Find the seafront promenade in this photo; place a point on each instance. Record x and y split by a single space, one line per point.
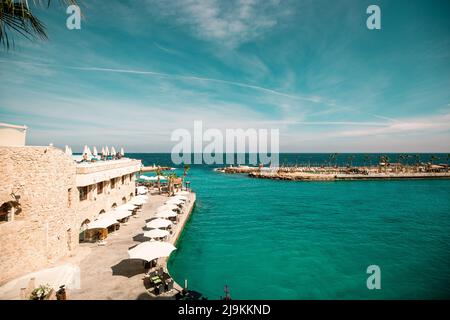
106 271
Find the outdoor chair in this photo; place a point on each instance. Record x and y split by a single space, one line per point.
160 289
169 285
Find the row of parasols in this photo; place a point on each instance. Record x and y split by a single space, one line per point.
119 213
151 250
105 151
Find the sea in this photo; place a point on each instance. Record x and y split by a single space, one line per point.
267 239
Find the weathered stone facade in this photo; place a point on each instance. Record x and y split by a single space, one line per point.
41 184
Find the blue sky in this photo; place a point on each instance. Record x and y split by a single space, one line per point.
137 70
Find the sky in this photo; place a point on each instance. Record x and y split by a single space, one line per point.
138 70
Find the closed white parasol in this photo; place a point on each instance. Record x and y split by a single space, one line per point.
87 151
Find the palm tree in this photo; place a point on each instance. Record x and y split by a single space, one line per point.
385 160
331 158
367 160
186 169
417 156
16 16
350 160
433 158
158 172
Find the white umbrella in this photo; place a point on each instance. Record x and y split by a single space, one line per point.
151 250
174 201
141 190
182 193
102 223
156 233
116 214
103 151
166 214
167 207
158 223
106 151
94 152
137 201
180 197
113 151
120 214
127 206
122 152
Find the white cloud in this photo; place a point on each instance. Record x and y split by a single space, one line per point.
230 23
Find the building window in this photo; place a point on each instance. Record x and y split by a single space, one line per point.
5 212
123 179
69 198
8 210
131 177
83 191
100 188
113 183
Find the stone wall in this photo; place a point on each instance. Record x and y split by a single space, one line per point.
46 228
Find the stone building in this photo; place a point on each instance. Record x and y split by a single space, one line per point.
47 199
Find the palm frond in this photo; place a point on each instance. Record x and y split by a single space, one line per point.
16 16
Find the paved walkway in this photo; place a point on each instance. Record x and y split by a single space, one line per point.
106 272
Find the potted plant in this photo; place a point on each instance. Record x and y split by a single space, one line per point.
42 292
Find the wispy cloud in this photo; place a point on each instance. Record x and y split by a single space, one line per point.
314 99
405 126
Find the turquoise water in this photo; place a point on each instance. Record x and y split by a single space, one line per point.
314 240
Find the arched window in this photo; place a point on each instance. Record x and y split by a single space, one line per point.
83 229
114 206
124 200
131 195
9 210
101 212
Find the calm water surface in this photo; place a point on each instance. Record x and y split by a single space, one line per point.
313 240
